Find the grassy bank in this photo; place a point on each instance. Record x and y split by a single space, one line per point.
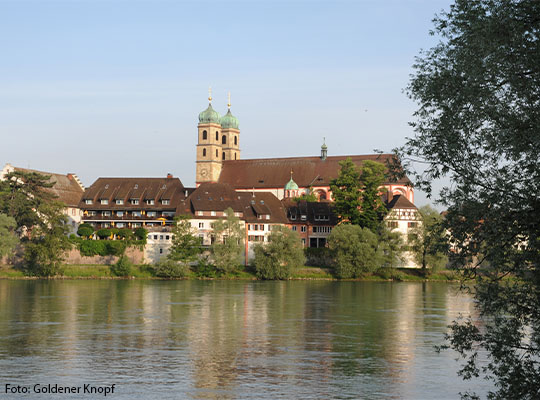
306 273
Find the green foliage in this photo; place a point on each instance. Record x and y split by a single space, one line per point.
93 248
228 247
392 246
205 269
125 234
318 256
185 246
355 250
24 197
8 237
280 256
428 241
392 274
114 231
141 234
115 247
357 194
477 126
85 230
122 267
310 197
166 268
103 233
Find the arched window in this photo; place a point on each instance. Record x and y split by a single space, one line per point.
224 139
235 156
236 140
217 135
204 152
216 152
204 135
223 156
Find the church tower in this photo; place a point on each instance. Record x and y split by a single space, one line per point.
230 135
209 148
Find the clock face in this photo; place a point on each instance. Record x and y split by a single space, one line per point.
204 172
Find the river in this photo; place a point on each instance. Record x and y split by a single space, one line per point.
230 339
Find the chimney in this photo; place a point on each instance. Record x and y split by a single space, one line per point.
169 176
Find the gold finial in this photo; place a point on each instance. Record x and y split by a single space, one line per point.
210 94
229 100
291 173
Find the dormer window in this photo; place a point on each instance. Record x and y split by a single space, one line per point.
165 202
149 202
88 201
104 201
134 201
136 186
119 201
303 217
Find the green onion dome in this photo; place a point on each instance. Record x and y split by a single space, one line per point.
229 121
209 116
291 185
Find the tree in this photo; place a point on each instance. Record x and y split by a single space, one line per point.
391 245
8 237
228 246
277 258
428 241
85 230
357 194
355 251
185 246
477 124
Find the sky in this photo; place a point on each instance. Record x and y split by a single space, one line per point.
114 87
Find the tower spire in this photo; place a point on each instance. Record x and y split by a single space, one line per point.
210 94
229 100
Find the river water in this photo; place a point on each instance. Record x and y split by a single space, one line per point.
230 339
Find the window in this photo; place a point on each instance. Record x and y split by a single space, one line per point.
134 201
322 229
119 201
165 202
155 237
92 213
136 186
217 154
120 225
160 237
137 214
293 217
201 224
224 139
217 135
204 136
120 213
294 228
392 224
303 241
88 201
204 152
236 141
303 228
255 227
149 201
199 213
213 213
322 218
106 213
136 225
151 213
235 156
303 217
168 213
105 225
104 201
261 227
160 251
223 156
167 237
73 211
412 224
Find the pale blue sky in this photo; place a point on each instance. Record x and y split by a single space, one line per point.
114 88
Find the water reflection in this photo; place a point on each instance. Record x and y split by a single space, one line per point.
229 340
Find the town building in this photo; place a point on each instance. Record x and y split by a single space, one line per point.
67 189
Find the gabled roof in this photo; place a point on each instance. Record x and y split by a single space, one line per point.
141 189
316 213
213 197
263 203
399 202
67 188
276 172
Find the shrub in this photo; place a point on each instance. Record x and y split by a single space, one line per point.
115 247
125 233
141 234
85 230
205 269
170 269
122 267
103 233
114 231
390 274
277 258
318 257
92 248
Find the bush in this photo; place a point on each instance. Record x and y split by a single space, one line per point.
93 248
318 257
103 233
85 230
390 274
122 267
125 233
205 269
170 269
115 247
280 256
114 231
141 234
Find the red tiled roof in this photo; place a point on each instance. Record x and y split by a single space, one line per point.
399 201
276 172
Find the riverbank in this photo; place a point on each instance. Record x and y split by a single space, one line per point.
306 273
